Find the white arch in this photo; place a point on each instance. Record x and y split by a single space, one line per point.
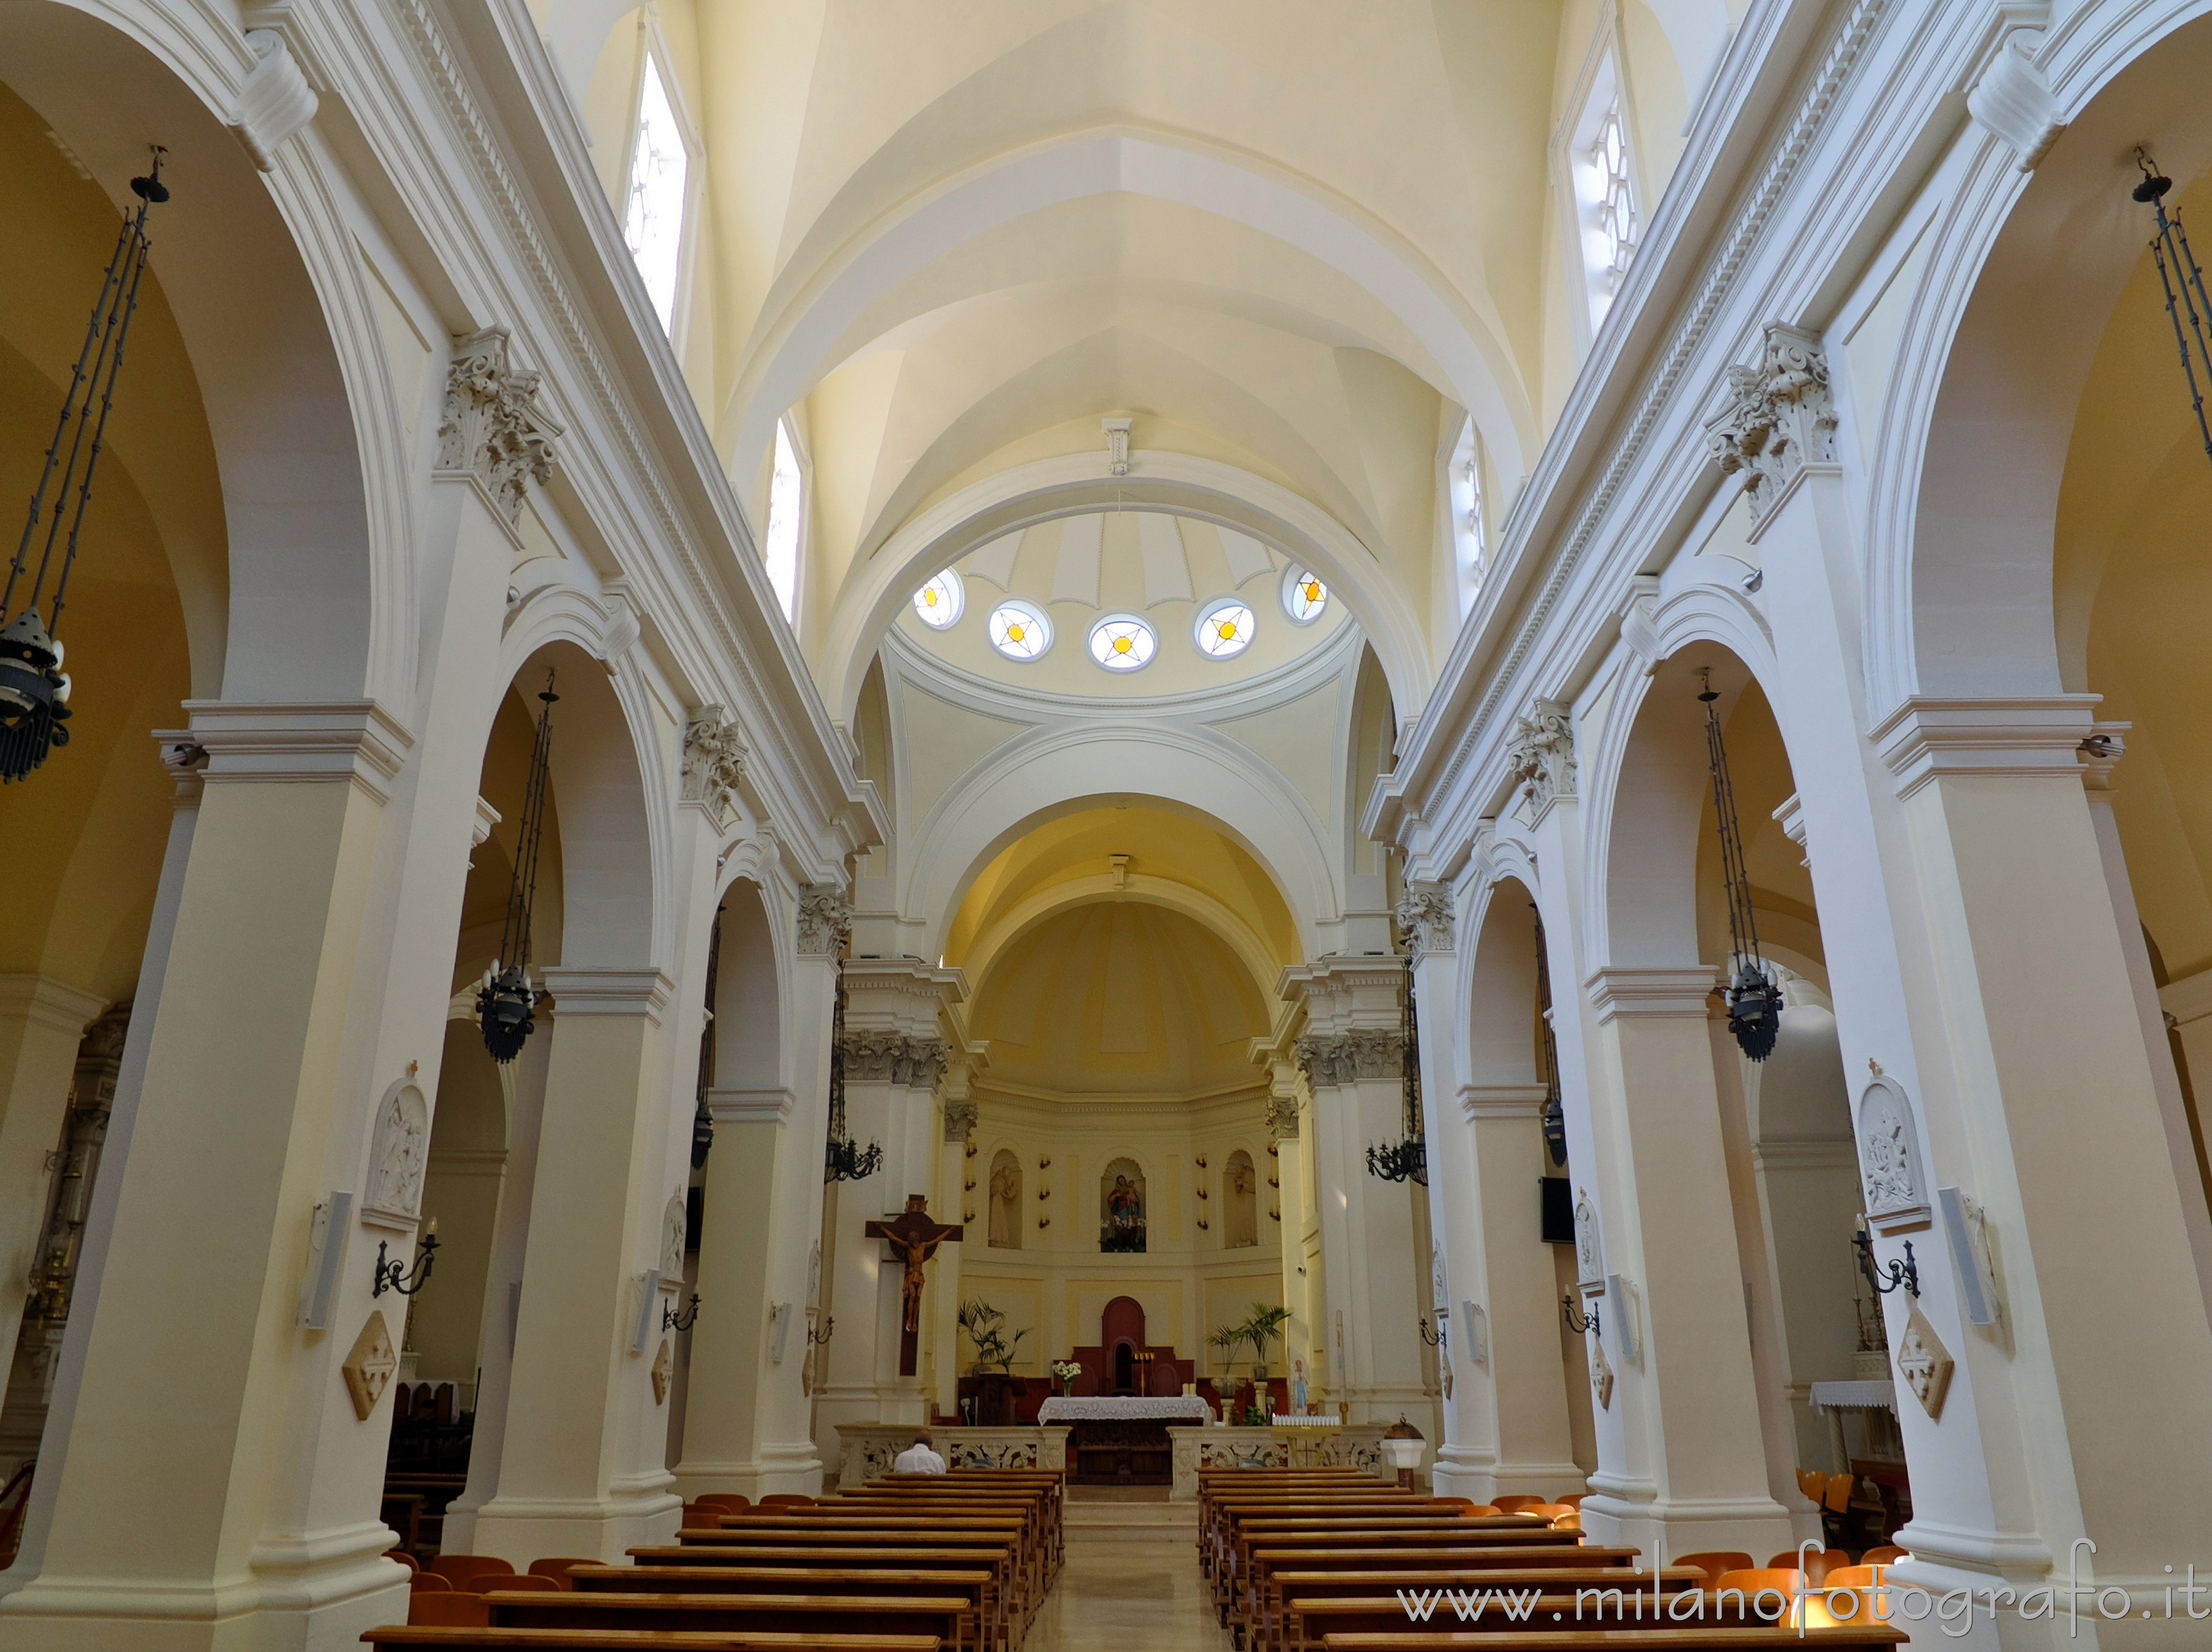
1193 903
1053 770
805 324
1205 489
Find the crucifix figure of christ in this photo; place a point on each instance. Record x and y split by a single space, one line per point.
914 1239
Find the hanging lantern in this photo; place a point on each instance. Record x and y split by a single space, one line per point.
2184 286
843 1158
1754 999
505 1000
1407 1160
34 690
702 1120
1555 1110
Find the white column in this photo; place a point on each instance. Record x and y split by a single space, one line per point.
1352 1053
941 1348
41 1021
1286 1203
894 1055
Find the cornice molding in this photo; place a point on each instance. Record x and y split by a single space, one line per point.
2037 737
1678 994
265 741
590 991
1478 1102
771 1105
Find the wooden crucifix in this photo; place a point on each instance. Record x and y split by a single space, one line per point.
914 1239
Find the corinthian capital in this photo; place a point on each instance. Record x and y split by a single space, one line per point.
1542 754
491 424
714 760
1345 1058
1427 915
1781 414
825 918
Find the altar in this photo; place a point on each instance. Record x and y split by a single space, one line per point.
1122 1439
869 1449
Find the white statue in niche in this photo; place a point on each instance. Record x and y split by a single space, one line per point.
1589 1261
674 1223
1006 1201
1888 1157
399 1155
1241 1201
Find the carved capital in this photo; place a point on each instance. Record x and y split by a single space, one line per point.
274 100
825 918
1345 1058
492 425
894 1058
1283 1117
960 1121
713 760
1427 916
1542 754
1781 416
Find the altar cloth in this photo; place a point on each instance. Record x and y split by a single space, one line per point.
1877 1394
1101 1408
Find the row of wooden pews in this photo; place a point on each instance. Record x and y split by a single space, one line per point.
941 1562
1335 1561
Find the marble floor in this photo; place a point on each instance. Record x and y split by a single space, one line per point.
1114 1596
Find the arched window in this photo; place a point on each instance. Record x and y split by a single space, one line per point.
653 214
787 516
1006 1200
1240 1202
1470 533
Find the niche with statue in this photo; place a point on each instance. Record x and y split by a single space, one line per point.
1121 1209
1240 1202
1005 1201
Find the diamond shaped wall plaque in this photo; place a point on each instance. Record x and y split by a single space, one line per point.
1602 1377
1924 1364
664 1372
370 1366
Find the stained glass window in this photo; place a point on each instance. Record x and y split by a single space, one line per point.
1224 628
1020 631
653 219
1122 642
1304 597
941 601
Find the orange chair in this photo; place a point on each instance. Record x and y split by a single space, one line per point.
1785 1581
1570 1522
458 1568
1817 1565
1549 1510
429 1582
1853 1577
1886 1555
1477 1511
451 1609
1514 1504
1714 1562
404 1558
783 1499
1573 1499
730 1502
1813 1482
525 1583
556 1568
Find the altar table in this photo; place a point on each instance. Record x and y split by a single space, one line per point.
1114 1408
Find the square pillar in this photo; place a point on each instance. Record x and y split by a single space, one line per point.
42 1021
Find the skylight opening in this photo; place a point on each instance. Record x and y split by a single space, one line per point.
786 499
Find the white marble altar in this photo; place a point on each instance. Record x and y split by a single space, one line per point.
1116 1408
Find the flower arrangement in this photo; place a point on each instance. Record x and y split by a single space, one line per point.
1067 1371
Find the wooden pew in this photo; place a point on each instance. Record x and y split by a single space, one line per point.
459 1639
1228 1511
1002 1622
934 1615
1490 1531
1719 1639
1261 1598
999 1550
1039 1534
1313 1619
821 1526
1280 1589
979 1632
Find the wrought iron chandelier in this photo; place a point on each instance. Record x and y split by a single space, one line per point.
34 690
1408 1159
1555 1110
2184 285
702 1120
1754 998
505 1000
844 1159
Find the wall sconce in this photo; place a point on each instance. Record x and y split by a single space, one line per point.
391 1276
1044 1193
1579 1323
1433 1336
1905 1274
1044 1221
1203 1225
968 1186
1200 1161
1275 1213
1274 1181
672 1321
1045 1163
1202 1193
818 1335
967 1216
1274 1151
971 1149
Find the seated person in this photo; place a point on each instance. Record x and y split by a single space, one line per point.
918 1459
